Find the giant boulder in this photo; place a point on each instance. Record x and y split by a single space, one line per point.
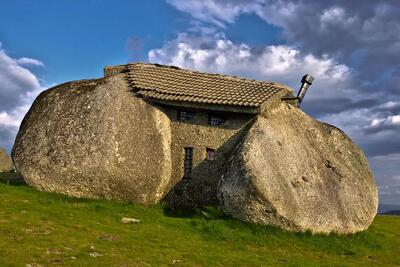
297 173
6 164
94 139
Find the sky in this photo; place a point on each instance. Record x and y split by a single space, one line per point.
352 48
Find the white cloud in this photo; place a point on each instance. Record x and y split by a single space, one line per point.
18 88
215 12
29 61
395 120
15 82
8 120
335 17
280 63
383 121
390 105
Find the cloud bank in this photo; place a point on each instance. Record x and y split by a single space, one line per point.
18 88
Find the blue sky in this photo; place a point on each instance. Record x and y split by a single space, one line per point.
351 47
76 38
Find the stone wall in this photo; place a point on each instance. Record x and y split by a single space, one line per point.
200 189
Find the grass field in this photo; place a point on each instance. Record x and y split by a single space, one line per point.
42 229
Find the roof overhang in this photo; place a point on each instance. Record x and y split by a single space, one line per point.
212 107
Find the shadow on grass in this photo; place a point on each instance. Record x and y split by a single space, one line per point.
214 215
205 212
178 213
11 178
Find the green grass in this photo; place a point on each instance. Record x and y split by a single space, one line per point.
43 229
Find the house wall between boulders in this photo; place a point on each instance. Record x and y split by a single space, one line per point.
201 188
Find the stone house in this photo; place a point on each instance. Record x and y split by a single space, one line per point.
147 133
208 113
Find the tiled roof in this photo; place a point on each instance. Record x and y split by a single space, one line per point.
175 84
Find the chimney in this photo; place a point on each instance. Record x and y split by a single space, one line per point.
306 81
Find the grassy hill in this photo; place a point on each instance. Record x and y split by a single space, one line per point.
41 229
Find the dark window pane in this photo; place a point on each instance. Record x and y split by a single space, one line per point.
188 162
216 119
210 153
186 115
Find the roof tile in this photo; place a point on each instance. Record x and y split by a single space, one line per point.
174 84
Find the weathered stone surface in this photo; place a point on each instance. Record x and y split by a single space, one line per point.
94 139
6 164
299 174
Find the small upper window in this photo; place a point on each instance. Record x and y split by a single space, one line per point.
186 115
210 153
214 119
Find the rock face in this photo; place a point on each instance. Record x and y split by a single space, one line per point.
299 174
94 139
6 164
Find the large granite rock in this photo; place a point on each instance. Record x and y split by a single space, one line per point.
299 174
94 139
6 164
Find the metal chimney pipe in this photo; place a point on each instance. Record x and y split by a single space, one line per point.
306 81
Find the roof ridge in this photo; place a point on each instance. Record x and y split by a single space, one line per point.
224 76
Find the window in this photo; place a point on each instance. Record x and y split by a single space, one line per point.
188 162
186 115
215 119
210 153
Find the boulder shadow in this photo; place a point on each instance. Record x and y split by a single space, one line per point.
12 178
194 195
